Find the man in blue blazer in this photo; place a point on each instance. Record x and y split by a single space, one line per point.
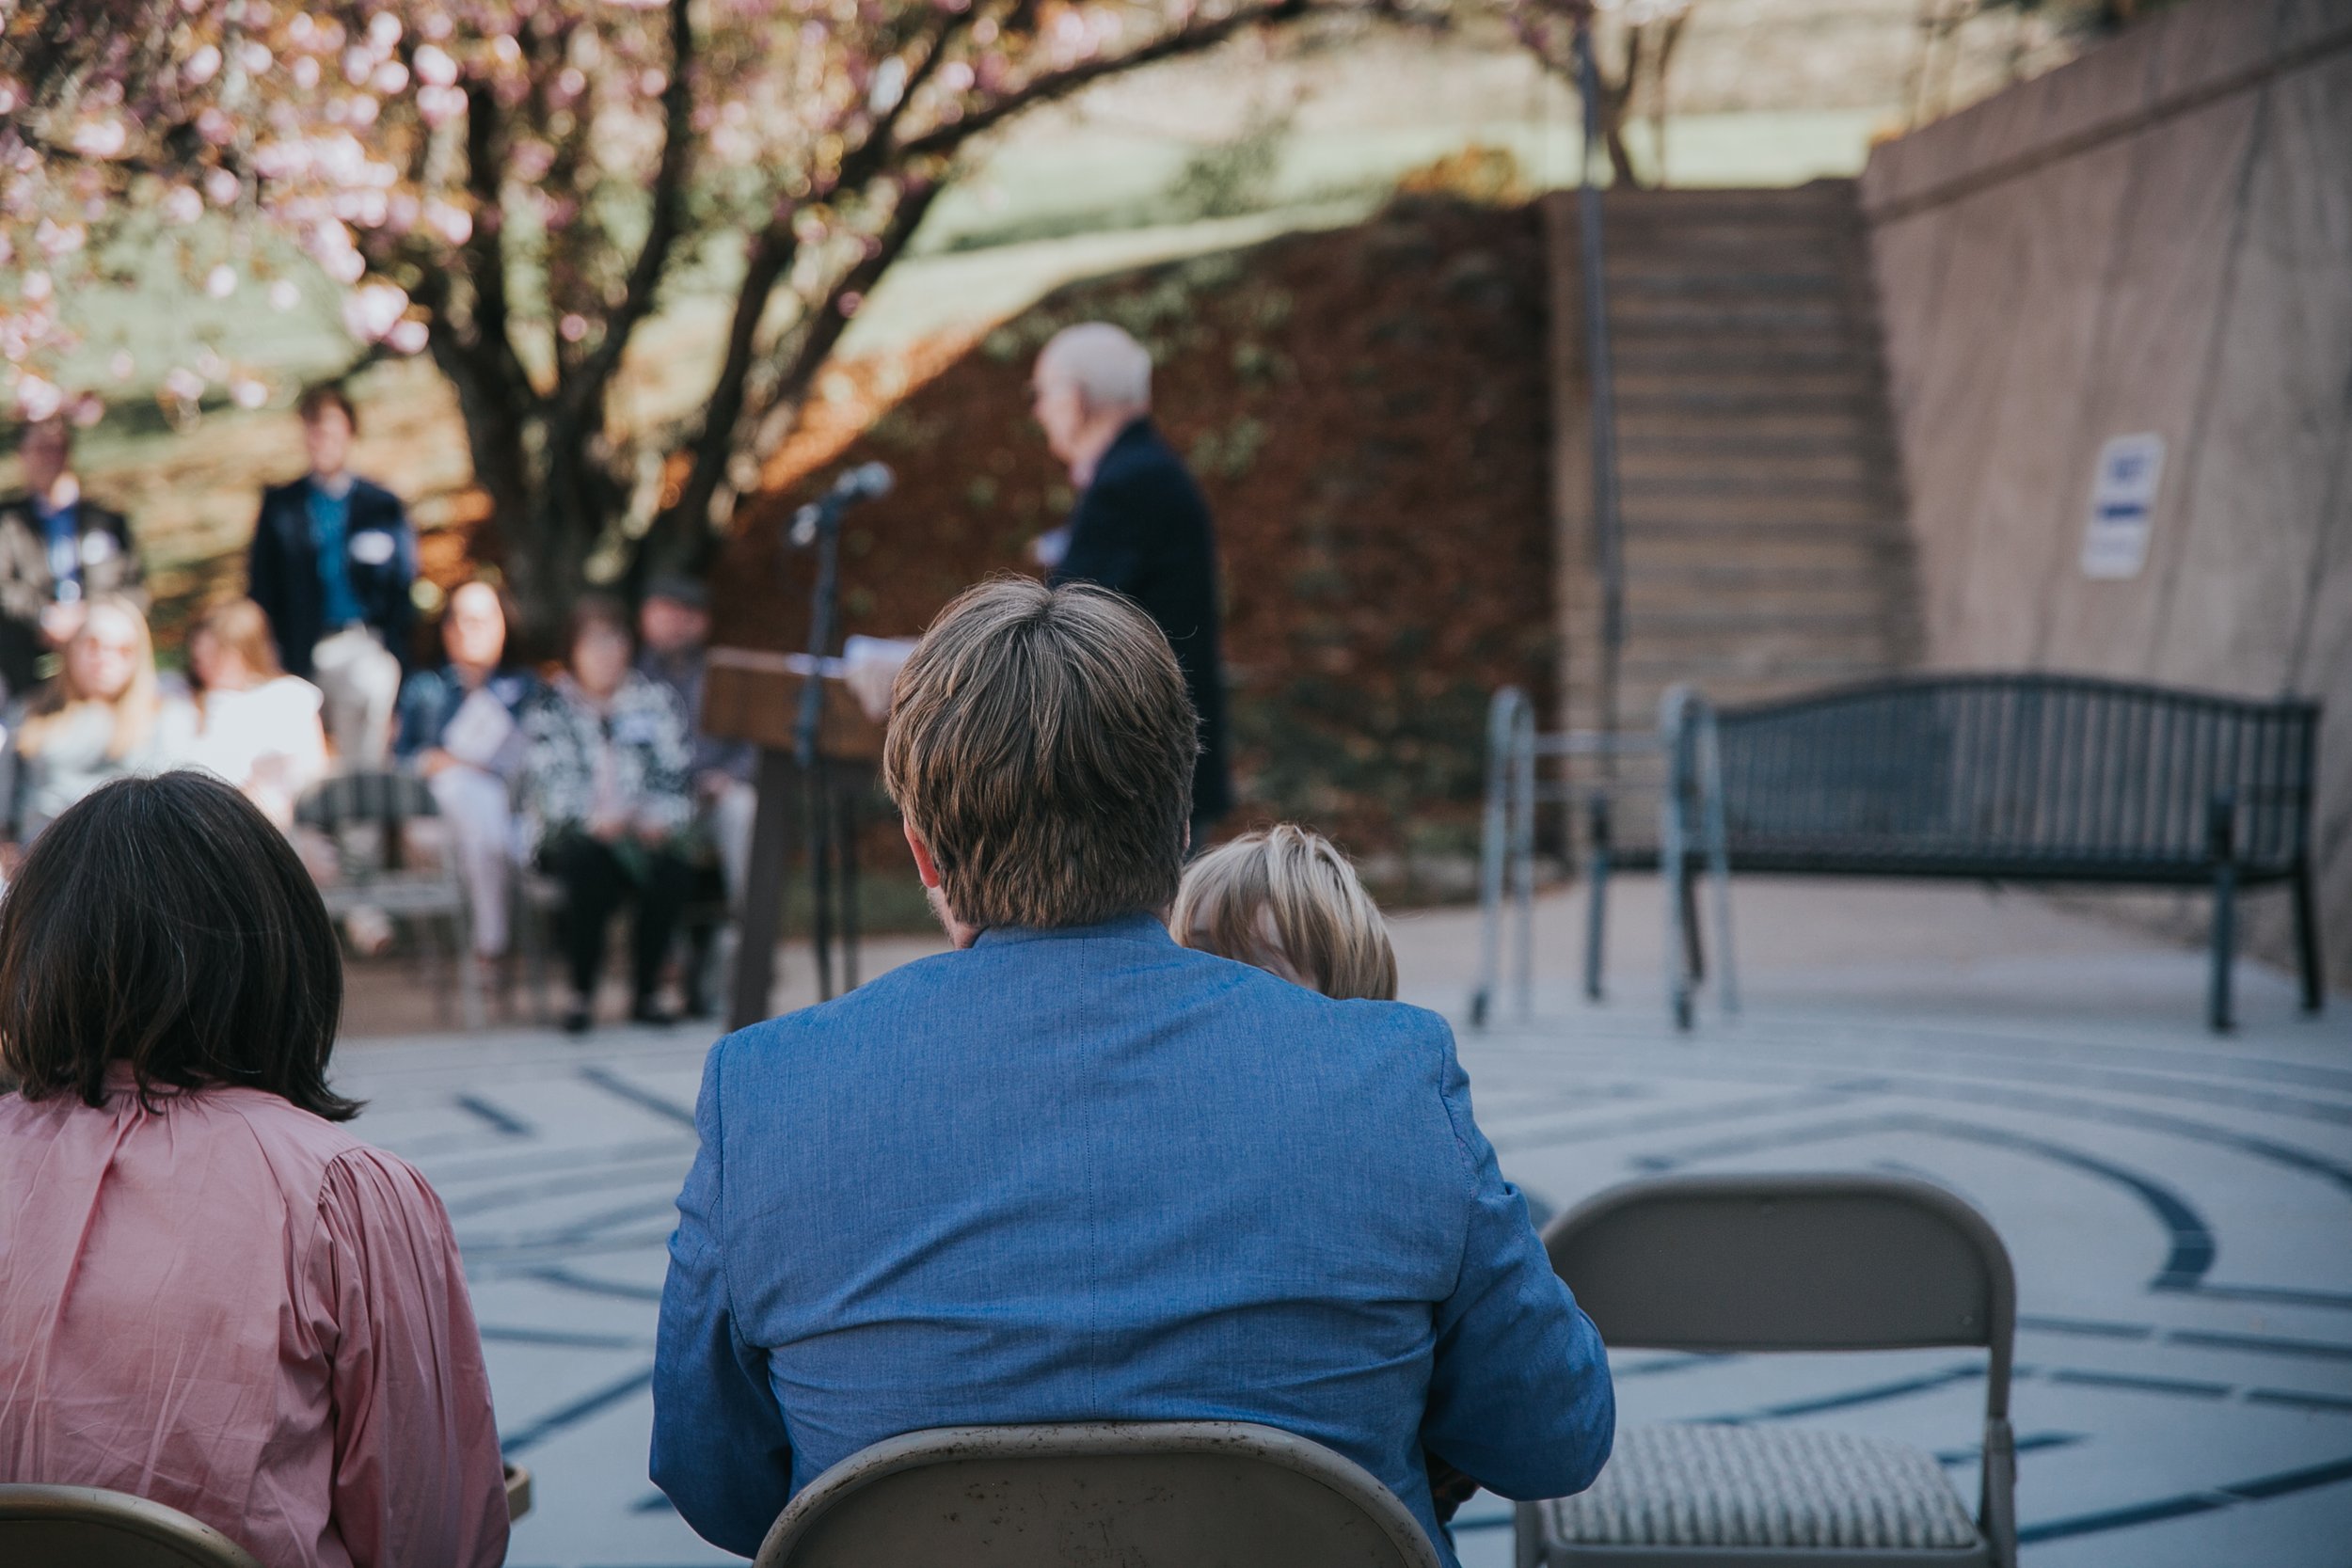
332 564
1071 1171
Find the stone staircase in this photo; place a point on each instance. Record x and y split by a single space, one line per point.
1765 545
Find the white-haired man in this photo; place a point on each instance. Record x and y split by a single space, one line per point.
1141 526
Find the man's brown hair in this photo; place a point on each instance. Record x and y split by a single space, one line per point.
317 398
1041 742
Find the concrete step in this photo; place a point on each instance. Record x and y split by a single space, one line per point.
1846 464
1737 516
1850 382
1714 324
1850 549
1734 405
1654 416
1666 283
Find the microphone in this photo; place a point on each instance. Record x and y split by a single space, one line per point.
866 482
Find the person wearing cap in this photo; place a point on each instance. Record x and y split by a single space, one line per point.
58 550
332 563
1141 527
674 646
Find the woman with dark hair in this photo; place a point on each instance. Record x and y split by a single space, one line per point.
211 1295
605 792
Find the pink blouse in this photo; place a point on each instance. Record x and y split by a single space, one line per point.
232 1306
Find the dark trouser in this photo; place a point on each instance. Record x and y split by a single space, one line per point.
597 879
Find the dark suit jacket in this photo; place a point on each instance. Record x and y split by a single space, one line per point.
1143 529
110 565
283 569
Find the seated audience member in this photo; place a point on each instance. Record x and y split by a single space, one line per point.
58 550
256 726
604 794
1071 1171
673 643
213 1296
460 729
1286 900
332 562
106 715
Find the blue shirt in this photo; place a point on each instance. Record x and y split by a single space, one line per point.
1088 1175
330 522
61 527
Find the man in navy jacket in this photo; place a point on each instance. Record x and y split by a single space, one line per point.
332 564
1071 1171
1141 526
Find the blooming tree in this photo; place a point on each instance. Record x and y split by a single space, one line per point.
1633 47
508 185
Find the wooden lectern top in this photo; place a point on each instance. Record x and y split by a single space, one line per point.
753 694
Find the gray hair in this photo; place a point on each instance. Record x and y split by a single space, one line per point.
1108 367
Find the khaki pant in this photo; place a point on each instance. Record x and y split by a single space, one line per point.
481 834
359 678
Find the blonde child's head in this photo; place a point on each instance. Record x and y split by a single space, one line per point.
1286 900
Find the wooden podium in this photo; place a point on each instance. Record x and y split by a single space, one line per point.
753 694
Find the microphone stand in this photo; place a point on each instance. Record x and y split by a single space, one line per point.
819 807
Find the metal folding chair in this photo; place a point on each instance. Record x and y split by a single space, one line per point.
365 815
1717 1263
84 1526
1134 1495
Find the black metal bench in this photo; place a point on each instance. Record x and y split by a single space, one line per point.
2022 778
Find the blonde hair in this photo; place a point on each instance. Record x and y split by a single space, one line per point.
134 712
1285 899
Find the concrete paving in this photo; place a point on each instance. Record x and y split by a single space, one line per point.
2179 1207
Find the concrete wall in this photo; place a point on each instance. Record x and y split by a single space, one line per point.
2156 238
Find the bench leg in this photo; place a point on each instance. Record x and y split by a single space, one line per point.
2221 843
1596 900
2218 1009
2307 941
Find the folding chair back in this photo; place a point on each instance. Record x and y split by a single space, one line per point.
1787 1263
82 1527
1137 1495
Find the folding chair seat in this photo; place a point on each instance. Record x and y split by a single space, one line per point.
1697 1484
86 1527
1726 1263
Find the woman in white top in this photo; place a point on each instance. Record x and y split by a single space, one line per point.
106 715
258 727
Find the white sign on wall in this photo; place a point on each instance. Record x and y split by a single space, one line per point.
2122 504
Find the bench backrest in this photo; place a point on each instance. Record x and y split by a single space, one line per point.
2022 768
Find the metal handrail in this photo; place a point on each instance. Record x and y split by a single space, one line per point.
1692 820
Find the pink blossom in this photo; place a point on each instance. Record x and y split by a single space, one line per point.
37 399
449 221
254 56
358 64
389 78
573 328
122 366
434 68
407 336
439 106
371 313
249 393
39 286
180 204
221 186
383 30
221 281
202 67
102 138
284 295
183 384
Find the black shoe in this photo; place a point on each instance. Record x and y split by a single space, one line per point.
650 1011
577 1017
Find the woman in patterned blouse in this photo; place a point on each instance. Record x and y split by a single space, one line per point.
606 793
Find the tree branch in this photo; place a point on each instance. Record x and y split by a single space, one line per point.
653 257
944 139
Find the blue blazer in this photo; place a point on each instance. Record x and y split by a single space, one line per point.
1088 1175
282 569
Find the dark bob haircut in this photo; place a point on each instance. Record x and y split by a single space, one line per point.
164 923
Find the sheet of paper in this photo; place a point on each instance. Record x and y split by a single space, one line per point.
479 731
